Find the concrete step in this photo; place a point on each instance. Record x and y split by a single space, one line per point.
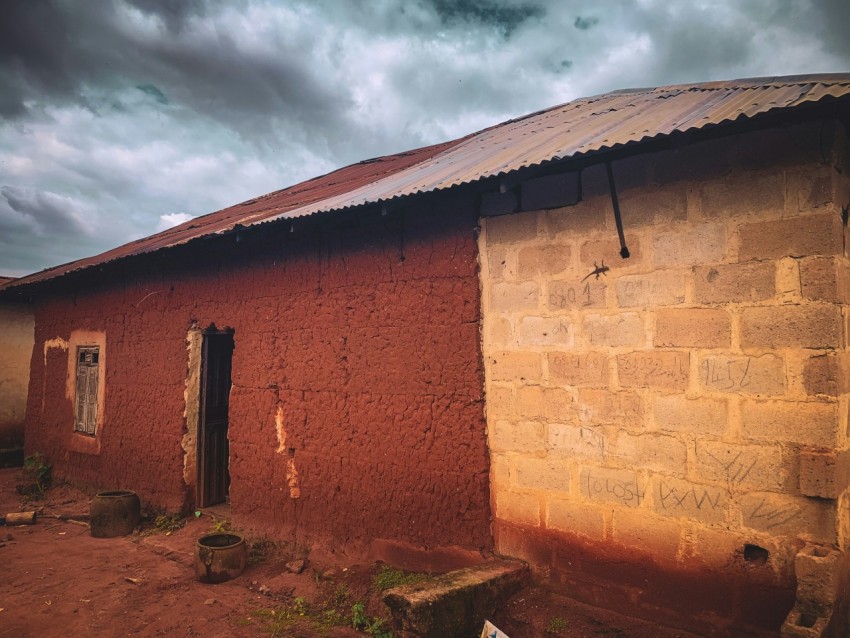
455 604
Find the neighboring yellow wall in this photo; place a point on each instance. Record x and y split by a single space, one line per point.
695 397
16 340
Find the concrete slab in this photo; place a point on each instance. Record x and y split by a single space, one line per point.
456 603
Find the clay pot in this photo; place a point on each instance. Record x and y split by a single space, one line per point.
114 513
220 557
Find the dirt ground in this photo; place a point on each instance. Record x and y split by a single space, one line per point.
56 580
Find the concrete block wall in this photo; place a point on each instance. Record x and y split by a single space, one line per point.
689 405
16 341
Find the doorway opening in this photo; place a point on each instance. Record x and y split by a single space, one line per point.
213 449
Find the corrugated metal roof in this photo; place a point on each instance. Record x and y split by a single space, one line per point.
579 128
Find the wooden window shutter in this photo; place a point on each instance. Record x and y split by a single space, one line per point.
88 368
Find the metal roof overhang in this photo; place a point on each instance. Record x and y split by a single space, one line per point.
584 128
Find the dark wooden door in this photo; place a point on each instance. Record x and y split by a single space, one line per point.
213 452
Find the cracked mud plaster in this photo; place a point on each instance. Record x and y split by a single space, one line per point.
356 380
58 342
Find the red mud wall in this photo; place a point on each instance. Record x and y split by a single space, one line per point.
356 362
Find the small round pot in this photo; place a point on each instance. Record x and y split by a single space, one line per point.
220 557
114 513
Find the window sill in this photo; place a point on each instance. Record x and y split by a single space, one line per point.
84 444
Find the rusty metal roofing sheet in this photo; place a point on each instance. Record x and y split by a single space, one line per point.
579 128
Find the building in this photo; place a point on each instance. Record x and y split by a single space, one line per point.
621 322
16 341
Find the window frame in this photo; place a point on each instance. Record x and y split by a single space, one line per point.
87 370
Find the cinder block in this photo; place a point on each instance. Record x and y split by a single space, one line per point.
550 191
801 624
545 331
734 283
659 288
529 402
536 402
518 508
495 203
654 535
501 403
572 441
617 487
783 146
808 423
759 467
510 229
693 328
706 504
643 207
715 547
690 246
657 452
630 173
820 234
818 576
576 295
499 265
605 407
662 369
588 369
549 260
522 436
607 249
744 194
594 182
810 189
824 473
590 215
624 329
825 279
515 366
763 375
675 413
510 297
802 326
827 374
546 474
698 161
499 331
790 516
567 515
787 280
500 472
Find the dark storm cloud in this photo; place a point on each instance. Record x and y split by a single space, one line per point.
705 39
35 60
47 212
585 23
174 13
64 51
153 92
834 23
120 117
505 17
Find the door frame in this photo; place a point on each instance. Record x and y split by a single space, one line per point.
203 463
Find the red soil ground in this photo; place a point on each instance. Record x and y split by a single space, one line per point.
56 580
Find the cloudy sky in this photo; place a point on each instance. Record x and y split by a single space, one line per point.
120 118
